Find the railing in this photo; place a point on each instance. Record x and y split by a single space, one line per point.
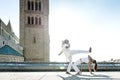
53 66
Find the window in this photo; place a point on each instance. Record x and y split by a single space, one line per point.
39 21
32 18
39 6
9 37
36 6
28 20
28 5
3 32
36 20
34 41
3 42
32 5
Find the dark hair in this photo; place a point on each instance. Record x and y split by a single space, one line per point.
66 41
95 67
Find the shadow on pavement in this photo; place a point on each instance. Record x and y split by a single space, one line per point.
73 77
98 75
86 77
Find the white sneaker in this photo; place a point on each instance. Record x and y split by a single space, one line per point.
79 73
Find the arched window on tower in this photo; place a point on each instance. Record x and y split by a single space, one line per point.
39 20
28 20
36 20
36 5
28 5
39 6
32 5
32 19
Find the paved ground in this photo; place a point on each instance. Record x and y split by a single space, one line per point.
58 76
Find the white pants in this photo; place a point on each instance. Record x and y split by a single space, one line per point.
70 65
79 62
74 65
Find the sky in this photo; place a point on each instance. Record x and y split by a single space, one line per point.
86 23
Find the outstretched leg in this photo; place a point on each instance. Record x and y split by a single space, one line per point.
81 51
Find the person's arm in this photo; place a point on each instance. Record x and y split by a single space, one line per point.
60 53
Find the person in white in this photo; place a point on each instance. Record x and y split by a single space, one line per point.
89 60
68 53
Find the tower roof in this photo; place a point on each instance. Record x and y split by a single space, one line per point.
9 26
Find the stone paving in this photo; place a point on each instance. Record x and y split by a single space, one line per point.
58 76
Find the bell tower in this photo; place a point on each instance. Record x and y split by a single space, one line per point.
34 30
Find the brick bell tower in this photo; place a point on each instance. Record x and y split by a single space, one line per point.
34 30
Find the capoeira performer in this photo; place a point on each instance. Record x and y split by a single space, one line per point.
89 60
68 53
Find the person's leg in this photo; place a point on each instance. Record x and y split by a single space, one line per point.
79 51
69 68
76 68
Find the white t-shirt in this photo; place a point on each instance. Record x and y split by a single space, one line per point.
86 60
81 60
67 52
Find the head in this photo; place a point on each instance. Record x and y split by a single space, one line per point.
66 43
94 62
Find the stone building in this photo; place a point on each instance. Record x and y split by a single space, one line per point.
34 31
10 51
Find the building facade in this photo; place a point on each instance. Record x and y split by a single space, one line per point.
10 50
34 30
